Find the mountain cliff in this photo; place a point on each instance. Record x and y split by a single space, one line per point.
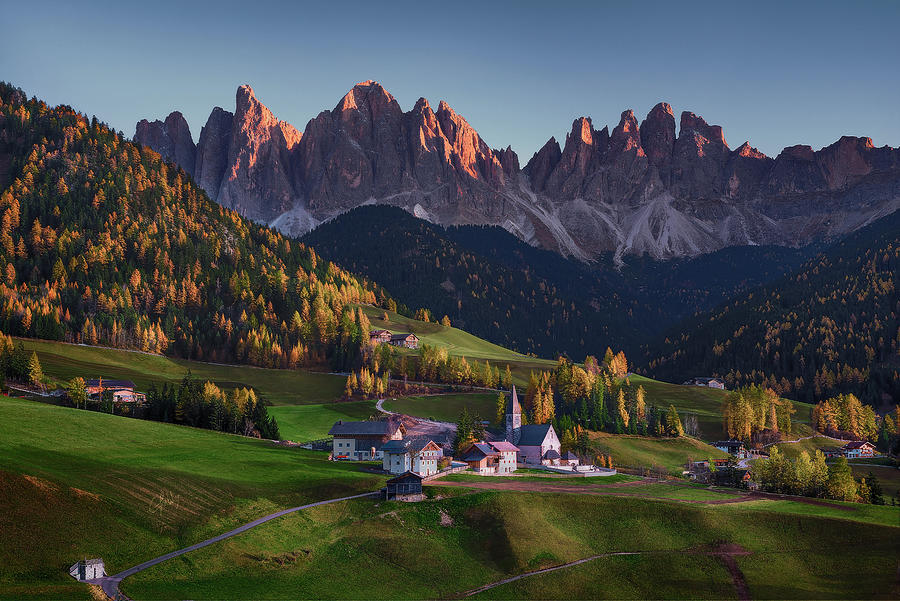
641 189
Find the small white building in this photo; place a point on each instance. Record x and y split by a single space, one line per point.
417 455
708 382
87 569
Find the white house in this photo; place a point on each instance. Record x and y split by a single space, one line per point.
362 441
858 448
87 569
417 455
708 382
537 443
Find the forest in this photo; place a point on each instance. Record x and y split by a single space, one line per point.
830 328
101 242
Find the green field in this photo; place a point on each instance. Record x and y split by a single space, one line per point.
647 452
707 404
63 362
78 483
888 478
459 343
301 423
810 445
446 407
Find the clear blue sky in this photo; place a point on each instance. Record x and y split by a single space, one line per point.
776 73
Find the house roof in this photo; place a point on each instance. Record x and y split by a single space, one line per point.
857 444
552 454
379 332
403 336
110 383
478 451
412 444
513 406
368 428
729 443
532 435
503 445
405 477
570 455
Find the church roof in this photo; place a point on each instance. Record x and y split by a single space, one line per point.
514 407
533 435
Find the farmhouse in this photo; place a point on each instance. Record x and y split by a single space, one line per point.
418 455
407 340
732 447
362 441
122 390
406 487
87 569
379 336
858 448
708 382
498 457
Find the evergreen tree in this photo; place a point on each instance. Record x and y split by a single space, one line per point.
35 373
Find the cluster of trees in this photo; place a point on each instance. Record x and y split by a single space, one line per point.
437 365
757 414
812 477
102 242
18 365
845 416
598 396
469 429
205 405
831 328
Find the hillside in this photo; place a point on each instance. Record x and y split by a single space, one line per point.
160 487
532 300
831 327
103 242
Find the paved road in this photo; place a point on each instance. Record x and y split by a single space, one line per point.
110 584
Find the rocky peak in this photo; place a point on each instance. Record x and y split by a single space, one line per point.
626 136
695 126
212 151
658 139
543 163
171 139
747 151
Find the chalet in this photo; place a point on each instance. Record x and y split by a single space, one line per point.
406 340
418 455
708 382
406 487
858 448
87 569
379 336
732 447
362 441
122 390
832 452
491 457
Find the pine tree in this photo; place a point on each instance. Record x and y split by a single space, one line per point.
35 373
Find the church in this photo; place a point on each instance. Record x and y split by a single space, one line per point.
538 443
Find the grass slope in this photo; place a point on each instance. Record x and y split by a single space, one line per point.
646 452
302 423
279 386
77 483
446 407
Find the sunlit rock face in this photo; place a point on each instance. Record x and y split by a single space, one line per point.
645 188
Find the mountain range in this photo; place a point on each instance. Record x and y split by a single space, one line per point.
642 188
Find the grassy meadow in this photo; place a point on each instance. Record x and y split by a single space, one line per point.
446 407
647 452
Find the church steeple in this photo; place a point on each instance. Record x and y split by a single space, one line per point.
513 418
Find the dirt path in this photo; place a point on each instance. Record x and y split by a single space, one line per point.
110 584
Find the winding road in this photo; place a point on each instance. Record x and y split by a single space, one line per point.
110 584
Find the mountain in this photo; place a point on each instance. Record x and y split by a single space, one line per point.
642 189
831 327
534 300
103 242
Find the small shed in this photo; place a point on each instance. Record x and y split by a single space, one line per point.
570 458
406 487
87 569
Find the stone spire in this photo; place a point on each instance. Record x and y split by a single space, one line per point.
513 418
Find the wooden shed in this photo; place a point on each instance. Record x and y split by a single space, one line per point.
406 487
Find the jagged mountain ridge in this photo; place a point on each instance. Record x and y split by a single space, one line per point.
642 189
